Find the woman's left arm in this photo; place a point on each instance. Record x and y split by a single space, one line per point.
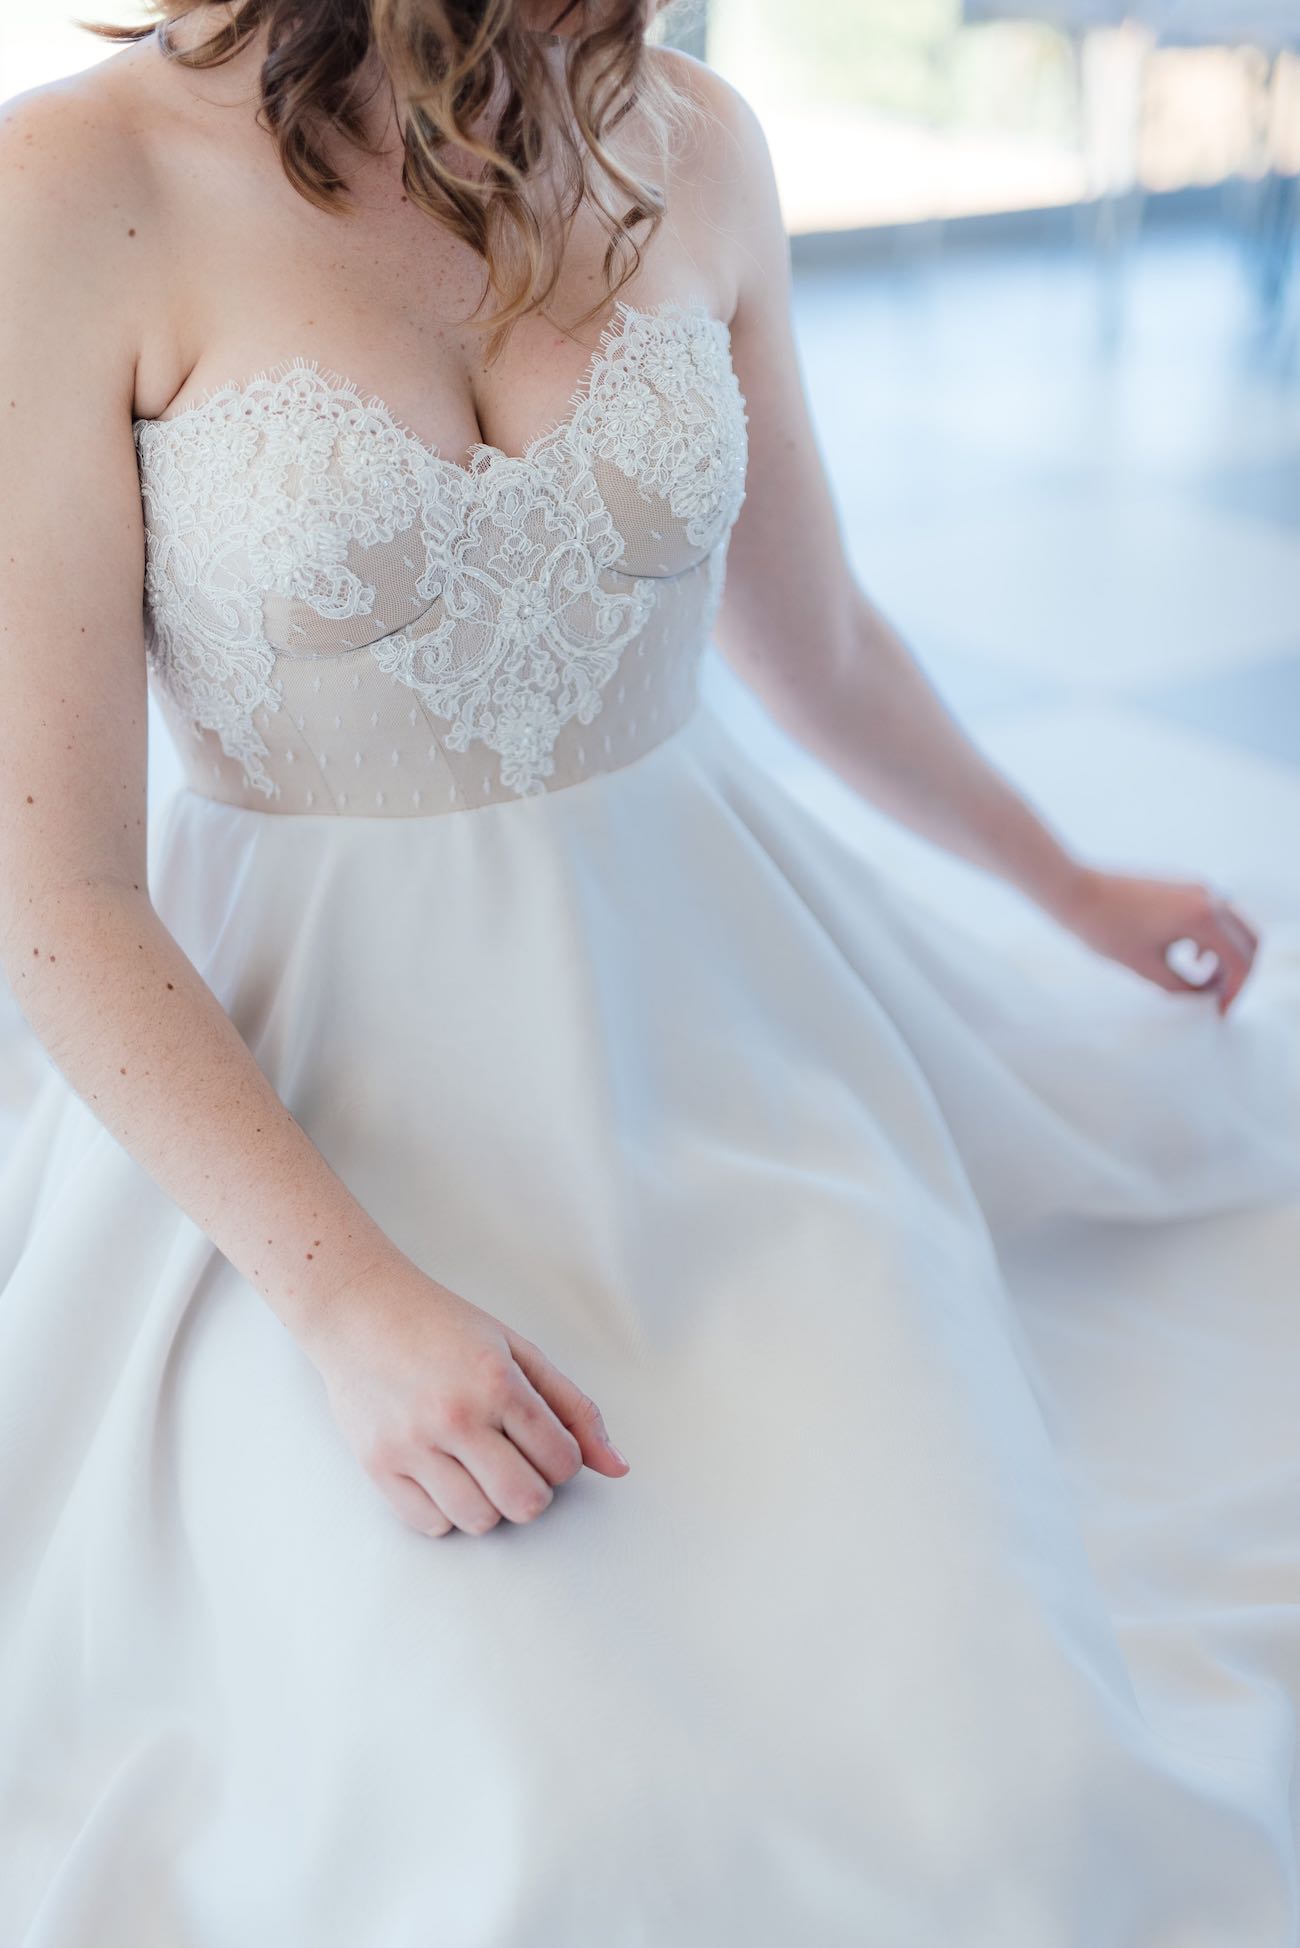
826 663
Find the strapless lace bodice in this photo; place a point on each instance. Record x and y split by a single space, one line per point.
338 619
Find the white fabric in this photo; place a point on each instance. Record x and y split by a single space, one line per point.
949 1325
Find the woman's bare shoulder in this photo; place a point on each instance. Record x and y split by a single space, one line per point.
78 152
726 116
720 161
80 246
93 174
109 137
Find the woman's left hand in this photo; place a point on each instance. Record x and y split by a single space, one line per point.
1136 921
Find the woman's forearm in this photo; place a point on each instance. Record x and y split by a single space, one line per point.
873 717
127 1018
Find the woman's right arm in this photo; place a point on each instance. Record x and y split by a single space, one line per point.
458 1419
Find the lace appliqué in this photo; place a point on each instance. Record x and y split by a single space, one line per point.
264 489
527 634
277 484
663 404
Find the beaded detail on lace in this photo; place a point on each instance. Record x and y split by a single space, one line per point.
291 516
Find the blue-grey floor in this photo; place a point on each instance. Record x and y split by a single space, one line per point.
1077 510
1079 500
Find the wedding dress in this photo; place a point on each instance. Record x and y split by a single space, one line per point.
953 1596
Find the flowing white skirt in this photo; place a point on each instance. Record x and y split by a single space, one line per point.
948 1322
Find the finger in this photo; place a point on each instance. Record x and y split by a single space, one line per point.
537 1434
1242 928
414 1506
571 1407
1236 955
1231 983
509 1480
1230 987
450 1484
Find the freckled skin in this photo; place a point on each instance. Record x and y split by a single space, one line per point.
137 134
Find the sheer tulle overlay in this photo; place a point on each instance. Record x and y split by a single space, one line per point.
952 1594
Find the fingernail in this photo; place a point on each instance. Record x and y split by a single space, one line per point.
617 1456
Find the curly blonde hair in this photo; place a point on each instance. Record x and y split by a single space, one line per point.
450 62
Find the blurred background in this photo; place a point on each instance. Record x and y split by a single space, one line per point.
1048 302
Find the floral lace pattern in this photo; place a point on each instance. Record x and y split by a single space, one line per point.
527 634
294 489
652 408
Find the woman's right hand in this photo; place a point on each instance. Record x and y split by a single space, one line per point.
457 1419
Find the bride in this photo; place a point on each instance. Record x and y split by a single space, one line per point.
479 1061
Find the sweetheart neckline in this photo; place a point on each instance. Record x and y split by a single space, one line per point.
481 453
